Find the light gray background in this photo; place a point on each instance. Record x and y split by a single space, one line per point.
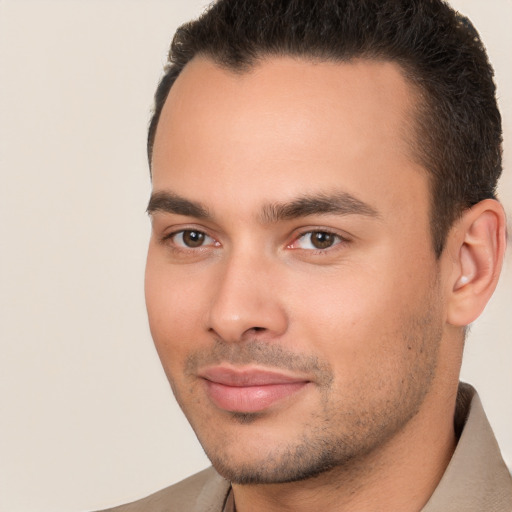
86 416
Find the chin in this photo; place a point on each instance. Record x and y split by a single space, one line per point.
272 472
250 465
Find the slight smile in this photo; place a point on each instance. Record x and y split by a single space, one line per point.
249 390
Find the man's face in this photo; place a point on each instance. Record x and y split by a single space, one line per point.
292 290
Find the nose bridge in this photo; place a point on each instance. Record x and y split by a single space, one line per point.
245 300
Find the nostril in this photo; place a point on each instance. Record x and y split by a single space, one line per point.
253 331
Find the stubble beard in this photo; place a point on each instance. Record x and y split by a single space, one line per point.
343 433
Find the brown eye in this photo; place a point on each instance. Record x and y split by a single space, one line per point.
316 240
191 238
322 239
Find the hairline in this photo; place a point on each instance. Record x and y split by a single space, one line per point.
416 111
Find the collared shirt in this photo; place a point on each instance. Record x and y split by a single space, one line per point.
230 503
476 479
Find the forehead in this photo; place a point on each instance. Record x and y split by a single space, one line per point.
291 123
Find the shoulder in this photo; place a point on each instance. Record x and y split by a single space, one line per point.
476 478
203 492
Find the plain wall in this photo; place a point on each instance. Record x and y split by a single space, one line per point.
87 419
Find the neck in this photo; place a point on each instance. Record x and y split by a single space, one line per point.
400 476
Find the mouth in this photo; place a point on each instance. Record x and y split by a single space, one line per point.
249 390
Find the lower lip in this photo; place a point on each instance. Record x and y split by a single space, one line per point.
247 399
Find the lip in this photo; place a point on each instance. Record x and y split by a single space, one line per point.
249 390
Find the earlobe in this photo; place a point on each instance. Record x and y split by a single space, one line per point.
480 241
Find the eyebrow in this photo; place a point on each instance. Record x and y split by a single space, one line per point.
341 203
169 202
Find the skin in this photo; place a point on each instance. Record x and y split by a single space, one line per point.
364 322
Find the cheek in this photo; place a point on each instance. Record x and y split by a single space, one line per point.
357 318
174 306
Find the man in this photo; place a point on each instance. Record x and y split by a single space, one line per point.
325 228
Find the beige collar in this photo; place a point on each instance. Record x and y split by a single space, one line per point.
476 479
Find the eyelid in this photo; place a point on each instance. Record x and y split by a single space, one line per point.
341 239
170 236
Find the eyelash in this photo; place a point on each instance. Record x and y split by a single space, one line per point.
177 247
180 248
338 240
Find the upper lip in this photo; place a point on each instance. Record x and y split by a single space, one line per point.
241 377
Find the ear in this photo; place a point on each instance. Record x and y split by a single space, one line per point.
477 244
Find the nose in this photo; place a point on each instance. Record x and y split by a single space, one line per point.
246 301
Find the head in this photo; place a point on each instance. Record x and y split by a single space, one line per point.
322 228
456 135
